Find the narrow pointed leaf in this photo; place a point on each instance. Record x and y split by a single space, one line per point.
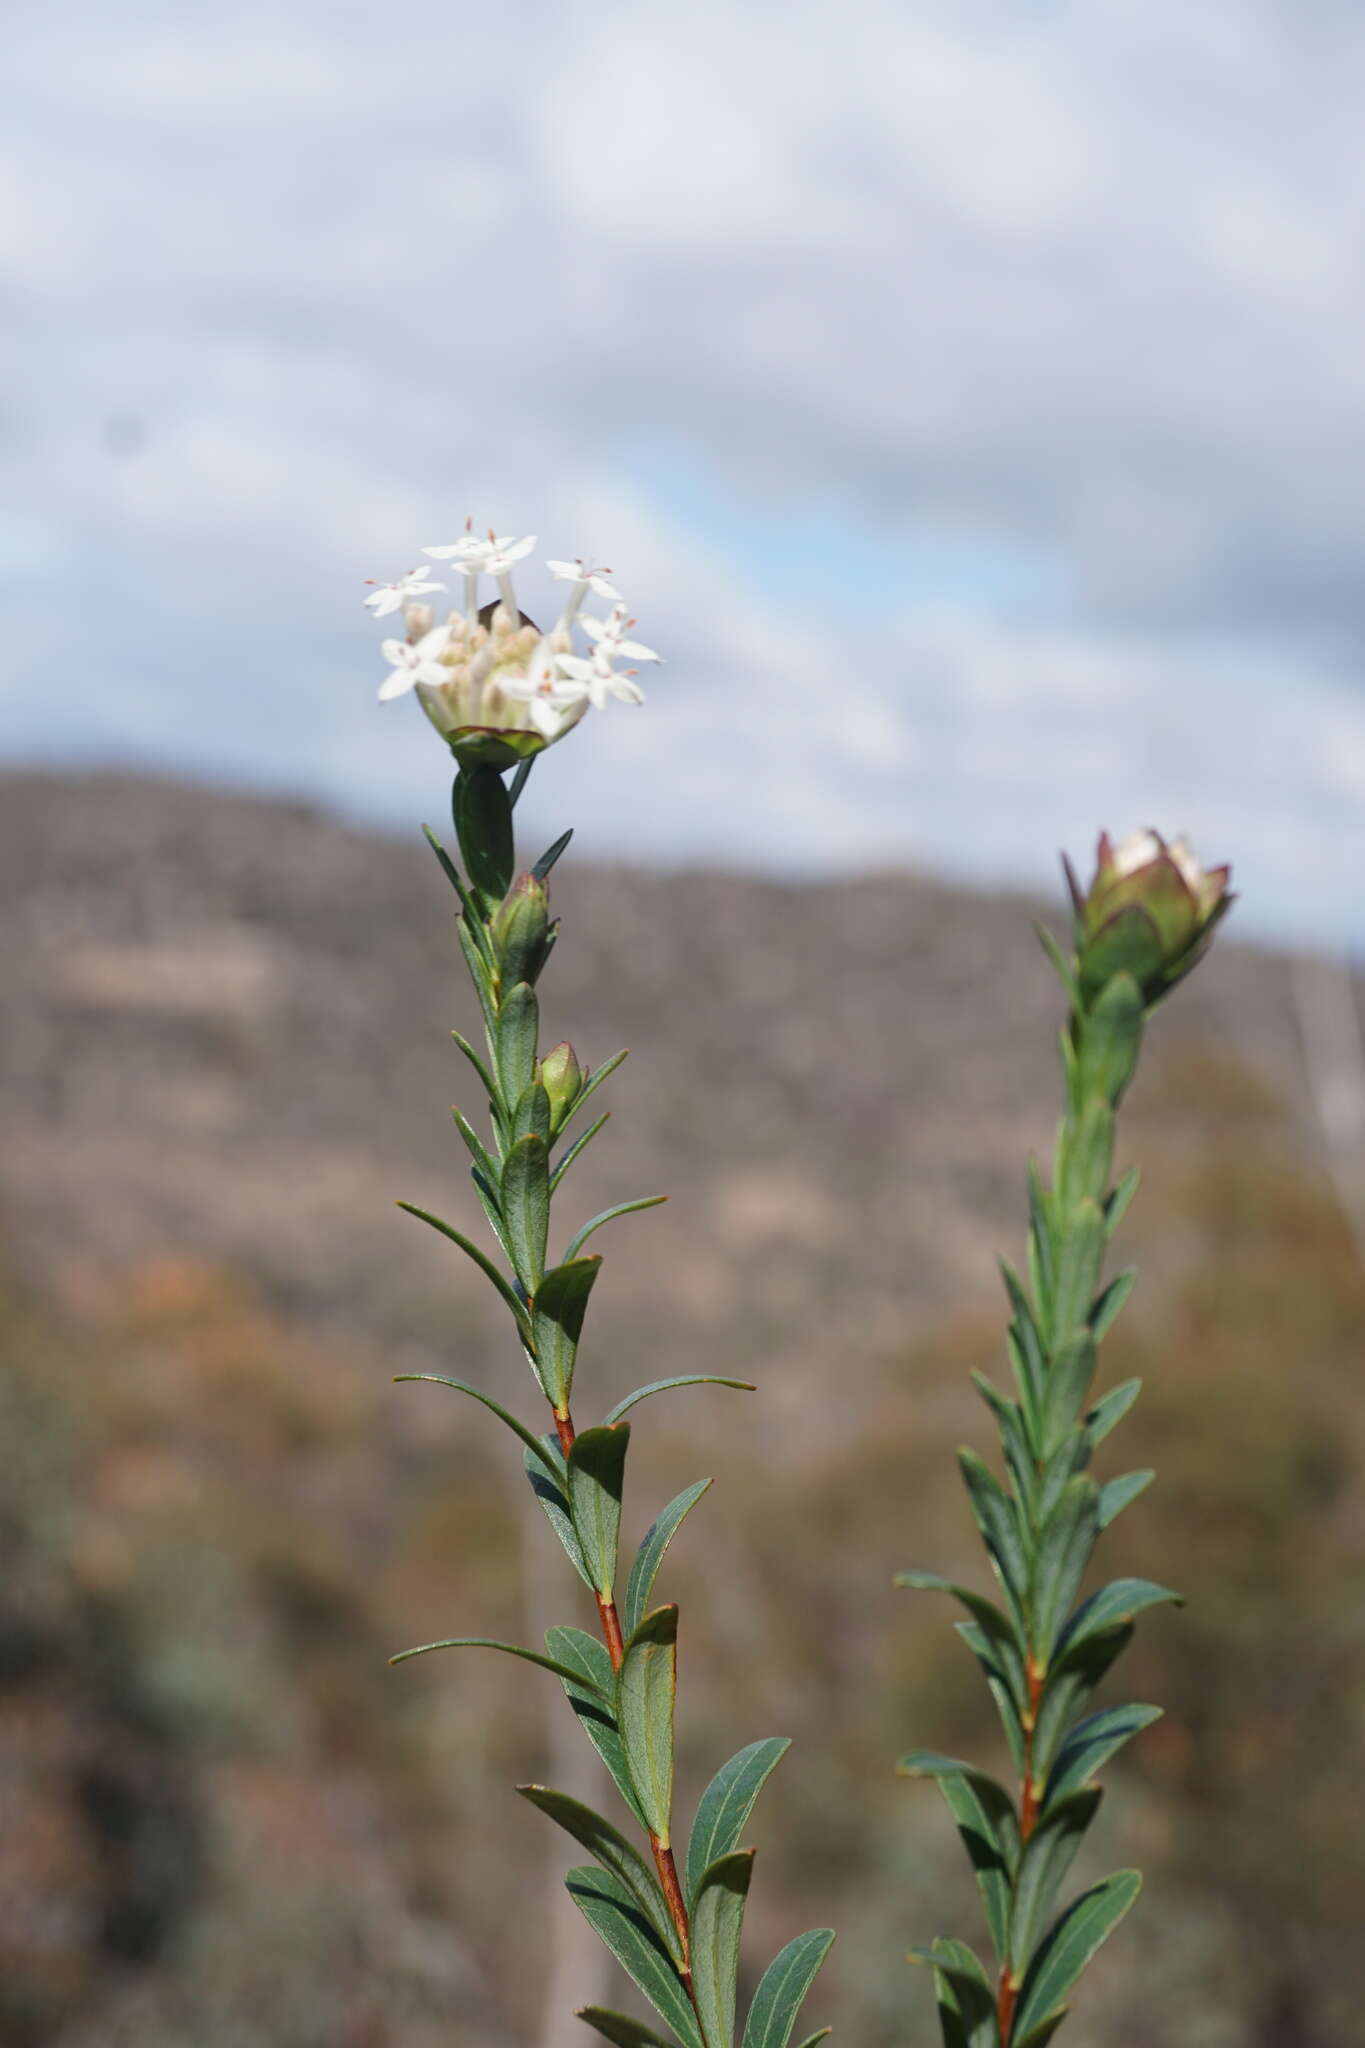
1064 1549
597 1718
596 1476
488 1643
1109 1410
558 1307
966 2001
1112 1034
1074 1674
1069 1944
515 1041
647 1687
986 1821
526 1208
609 1216
717 1920
532 1443
1047 1858
650 1555
612 1913
1116 1207
532 1114
1090 1744
996 1519
551 854
1118 1493
476 1063
452 875
486 1165
688 1379
620 2029
995 1628
552 1493
1073 1368
1039 2036
615 1854
782 1989
1119 1601
1106 1308
820 2034
724 1808
481 1259
1078 1269
578 1145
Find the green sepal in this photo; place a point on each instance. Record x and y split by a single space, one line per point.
1105 1308
1079 1259
1064 1547
1069 1944
1111 1030
647 1687
724 1807
1109 1410
688 1379
998 1521
1048 1855
1069 1683
516 1039
534 1445
573 1646
1090 1744
986 1820
593 1832
532 1114
525 1193
782 1990
649 1557
553 1495
620 2029
558 1307
483 825
1118 1493
481 1260
717 1922
579 1144
488 1643
596 1476
609 1216
1068 1386
612 1913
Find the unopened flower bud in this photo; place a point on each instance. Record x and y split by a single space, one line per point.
520 931
562 1078
1150 911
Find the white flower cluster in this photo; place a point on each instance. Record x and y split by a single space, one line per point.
487 671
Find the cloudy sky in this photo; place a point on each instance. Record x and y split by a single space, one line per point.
968 394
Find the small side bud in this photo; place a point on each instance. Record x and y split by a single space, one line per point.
1150 911
561 1077
520 931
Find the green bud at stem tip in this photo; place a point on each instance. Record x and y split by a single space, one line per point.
1150 911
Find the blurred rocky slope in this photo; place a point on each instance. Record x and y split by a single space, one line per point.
223 1053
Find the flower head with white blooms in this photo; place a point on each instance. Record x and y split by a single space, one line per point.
495 687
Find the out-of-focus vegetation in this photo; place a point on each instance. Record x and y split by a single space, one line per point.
224 1820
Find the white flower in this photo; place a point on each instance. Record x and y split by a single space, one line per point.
608 643
594 580
388 597
414 663
477 555
543 689
596 680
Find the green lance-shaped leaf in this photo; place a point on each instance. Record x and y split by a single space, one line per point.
1039 2036
485 1078
1064 1547
483 826
1004 1645
620 2029
526 1208
1116 1203
1107 1305
1012 1714
532 1114
609 1216
488 1643
724 1808
1110 1038
550 1488
551 855
820 2034
1110 1410
452 874
593 1704
596 1476
1068 1384
1073 1676
485 1165
611 1912
557 1311
782 1989
481 1260
1025 1345
717 1921
1047 1857
1120 1600
650 1555
516 1040
1085 1155
534 1445
1120 1493
597 1835
986 1820
1090 1744
580 1144
688 1379
1078 1269
966 2001
647 1688
1068 1946
999 1526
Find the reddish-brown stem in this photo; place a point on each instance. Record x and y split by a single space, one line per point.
611 1630
565 1428
1007 1992
668 1878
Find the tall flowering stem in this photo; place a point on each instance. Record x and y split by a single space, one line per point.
671 1909
1142 925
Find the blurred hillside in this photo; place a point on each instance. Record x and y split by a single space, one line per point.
223 1054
